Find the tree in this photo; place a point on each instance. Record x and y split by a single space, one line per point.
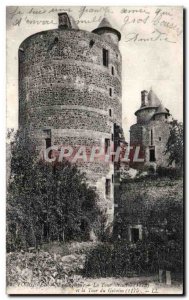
46 201
174 147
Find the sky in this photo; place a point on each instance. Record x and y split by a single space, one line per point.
151 48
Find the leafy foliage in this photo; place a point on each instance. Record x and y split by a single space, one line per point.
174 145
43 269
122 259
157 205
46 202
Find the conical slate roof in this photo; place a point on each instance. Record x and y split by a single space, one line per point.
161 110
73 23
153 102
153 99
105 24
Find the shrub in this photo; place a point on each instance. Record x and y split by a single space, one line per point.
169 172
122 259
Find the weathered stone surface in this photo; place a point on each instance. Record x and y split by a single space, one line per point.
65 87
151 130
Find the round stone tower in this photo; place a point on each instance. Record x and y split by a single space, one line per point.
70 94
151 132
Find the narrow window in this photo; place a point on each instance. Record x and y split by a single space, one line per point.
112 178
48 142
151 134
107 145
105 57
47 138
48 145
108 187
134 235
165 116
110 92
159 138
91 43
112 70
152 155
110 112
112 136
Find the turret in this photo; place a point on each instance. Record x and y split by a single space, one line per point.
110 33
151 132
161 113
149 104
70 94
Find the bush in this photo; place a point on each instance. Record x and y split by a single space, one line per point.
169 172
122 259
42 269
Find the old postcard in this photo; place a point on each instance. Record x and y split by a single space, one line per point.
94 150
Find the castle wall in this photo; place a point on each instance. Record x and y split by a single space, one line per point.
141 135
161 133
136 134
139 197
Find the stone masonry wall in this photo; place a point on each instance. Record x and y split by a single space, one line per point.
161 131
145 115
138 196
64 87
136 132
141 135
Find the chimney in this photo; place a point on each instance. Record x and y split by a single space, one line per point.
64 21
144 98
